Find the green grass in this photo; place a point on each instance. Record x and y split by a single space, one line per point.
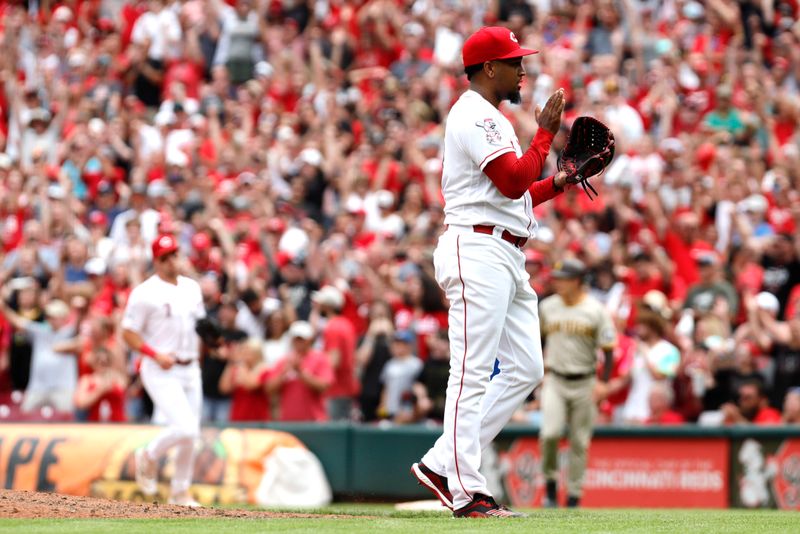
384 520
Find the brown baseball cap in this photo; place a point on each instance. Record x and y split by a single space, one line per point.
569 268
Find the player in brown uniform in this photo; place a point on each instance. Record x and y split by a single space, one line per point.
574 325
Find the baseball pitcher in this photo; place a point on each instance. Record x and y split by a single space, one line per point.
489 185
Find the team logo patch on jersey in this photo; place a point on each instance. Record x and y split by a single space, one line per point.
493 136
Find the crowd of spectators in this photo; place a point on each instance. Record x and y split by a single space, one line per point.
293 147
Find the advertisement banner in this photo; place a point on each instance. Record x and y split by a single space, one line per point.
98 461
641 472
766 473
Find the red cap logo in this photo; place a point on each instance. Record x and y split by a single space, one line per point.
492 42
164 244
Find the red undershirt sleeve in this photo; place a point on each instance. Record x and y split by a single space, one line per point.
514 176
544 190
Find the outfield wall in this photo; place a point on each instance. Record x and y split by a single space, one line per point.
680 467
663 467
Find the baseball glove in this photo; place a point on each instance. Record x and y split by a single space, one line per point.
209 331
589 150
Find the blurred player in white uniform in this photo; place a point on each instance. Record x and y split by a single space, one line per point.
490 187
159 323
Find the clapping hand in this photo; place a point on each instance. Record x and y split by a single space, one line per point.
549 118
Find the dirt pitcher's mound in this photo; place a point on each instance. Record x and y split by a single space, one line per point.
29 504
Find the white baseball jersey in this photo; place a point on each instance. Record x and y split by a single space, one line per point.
475 134
164 315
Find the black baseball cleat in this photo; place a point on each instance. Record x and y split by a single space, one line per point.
483 506
573 501
551 495
436 483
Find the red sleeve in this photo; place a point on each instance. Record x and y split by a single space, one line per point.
331 338
768 416
792 303
514 176
544 190
322 369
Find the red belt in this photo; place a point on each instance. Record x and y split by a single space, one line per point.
517 241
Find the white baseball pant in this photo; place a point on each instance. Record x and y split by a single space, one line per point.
177 396
493 314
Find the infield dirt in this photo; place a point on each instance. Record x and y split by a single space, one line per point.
30 505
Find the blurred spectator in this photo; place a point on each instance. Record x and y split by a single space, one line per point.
660 400
45 255
135 227
619 383
155 39
277 341
751 336
294 283
398 376
423 311
711 289
751 406
729 367
24 301
655 361
606 288
252 311
339 344
791 407
95 333
372 354
681 240
54 376
216 402
301 378
537 271
236 47
245 380
781 268
724 120
641 276
785 335
430 388
101 392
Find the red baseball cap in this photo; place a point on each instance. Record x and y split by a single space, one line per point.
98 217
164 244
492 42
276 225
201 241
533 256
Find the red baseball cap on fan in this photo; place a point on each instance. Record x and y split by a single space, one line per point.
492 42
164 244
201 241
